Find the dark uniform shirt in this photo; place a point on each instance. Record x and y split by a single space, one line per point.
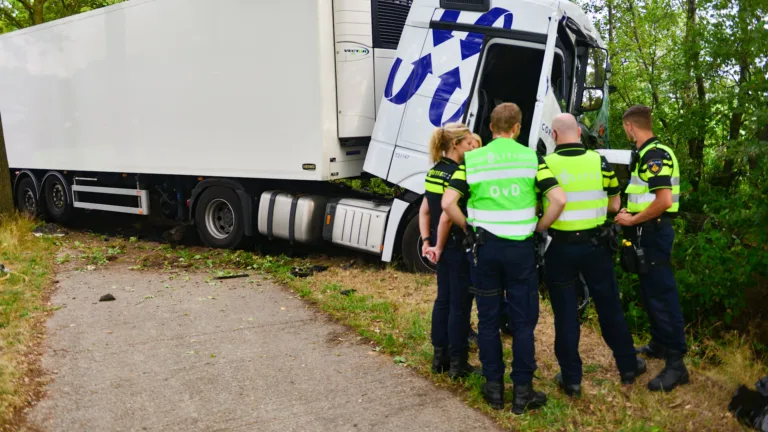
610 181
656 166
439 178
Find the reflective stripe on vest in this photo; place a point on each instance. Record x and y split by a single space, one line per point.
582 179
501 178
639 196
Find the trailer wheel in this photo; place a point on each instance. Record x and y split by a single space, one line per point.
59 208
218 216
26 198
411 249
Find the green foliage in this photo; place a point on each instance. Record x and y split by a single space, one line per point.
701 66
374 185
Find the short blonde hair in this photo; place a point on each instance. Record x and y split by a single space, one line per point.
478 139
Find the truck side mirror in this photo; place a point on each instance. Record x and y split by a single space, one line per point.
592 99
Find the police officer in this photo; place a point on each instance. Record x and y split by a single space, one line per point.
578 246
502 181
451 312
652 201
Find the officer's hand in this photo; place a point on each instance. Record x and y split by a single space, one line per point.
624 219
624 210
424 248
433 254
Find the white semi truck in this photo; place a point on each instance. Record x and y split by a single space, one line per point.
235 114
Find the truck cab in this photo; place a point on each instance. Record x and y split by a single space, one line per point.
458 59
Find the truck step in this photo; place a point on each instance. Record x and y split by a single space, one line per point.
142 198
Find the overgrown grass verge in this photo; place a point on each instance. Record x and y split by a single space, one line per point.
23 310
392 309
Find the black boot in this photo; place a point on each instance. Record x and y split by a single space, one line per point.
629 377
440 362
573 390
653 350
493 392
526 398
673 374
460 367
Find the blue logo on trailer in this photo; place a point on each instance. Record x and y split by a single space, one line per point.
451 80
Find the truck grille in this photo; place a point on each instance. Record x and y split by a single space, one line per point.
388 21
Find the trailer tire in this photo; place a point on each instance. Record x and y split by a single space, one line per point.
218 217
411 249
55 194
26 198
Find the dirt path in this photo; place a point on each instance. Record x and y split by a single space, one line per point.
186 354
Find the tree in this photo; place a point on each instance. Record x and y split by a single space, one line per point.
18 14
6 186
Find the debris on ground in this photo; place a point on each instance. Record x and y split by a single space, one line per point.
347 292
750 406
107 297
6 273
175 235
303 272
49 230
232 276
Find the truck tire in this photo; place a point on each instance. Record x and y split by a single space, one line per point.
218 217
56 202
411 249
26 198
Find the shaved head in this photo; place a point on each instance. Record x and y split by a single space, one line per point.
566 129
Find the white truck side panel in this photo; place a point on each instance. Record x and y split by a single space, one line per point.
242 89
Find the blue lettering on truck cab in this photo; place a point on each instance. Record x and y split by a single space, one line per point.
450 81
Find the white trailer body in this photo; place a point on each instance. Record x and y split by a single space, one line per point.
216 106
179 87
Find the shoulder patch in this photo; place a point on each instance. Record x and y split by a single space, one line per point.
654 165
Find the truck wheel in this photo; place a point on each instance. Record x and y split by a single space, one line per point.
219 218
412 249
26 198
56 199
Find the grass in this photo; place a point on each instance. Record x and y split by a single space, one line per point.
23 310
392 309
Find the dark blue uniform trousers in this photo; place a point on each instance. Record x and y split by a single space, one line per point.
564 262
659 290
450 315
507 266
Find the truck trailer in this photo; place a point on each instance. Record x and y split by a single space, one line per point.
236 117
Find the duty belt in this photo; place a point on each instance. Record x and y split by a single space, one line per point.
582 236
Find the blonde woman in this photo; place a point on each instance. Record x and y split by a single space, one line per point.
450 315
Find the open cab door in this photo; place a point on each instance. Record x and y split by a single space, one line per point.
547 107
534 73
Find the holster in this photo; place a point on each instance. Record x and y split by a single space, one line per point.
633 257
608 236
634 260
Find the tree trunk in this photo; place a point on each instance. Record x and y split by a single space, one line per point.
694 99
610 22
37 12
729 173
6 186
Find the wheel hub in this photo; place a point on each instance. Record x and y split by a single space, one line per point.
30 204
219 219
58 196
